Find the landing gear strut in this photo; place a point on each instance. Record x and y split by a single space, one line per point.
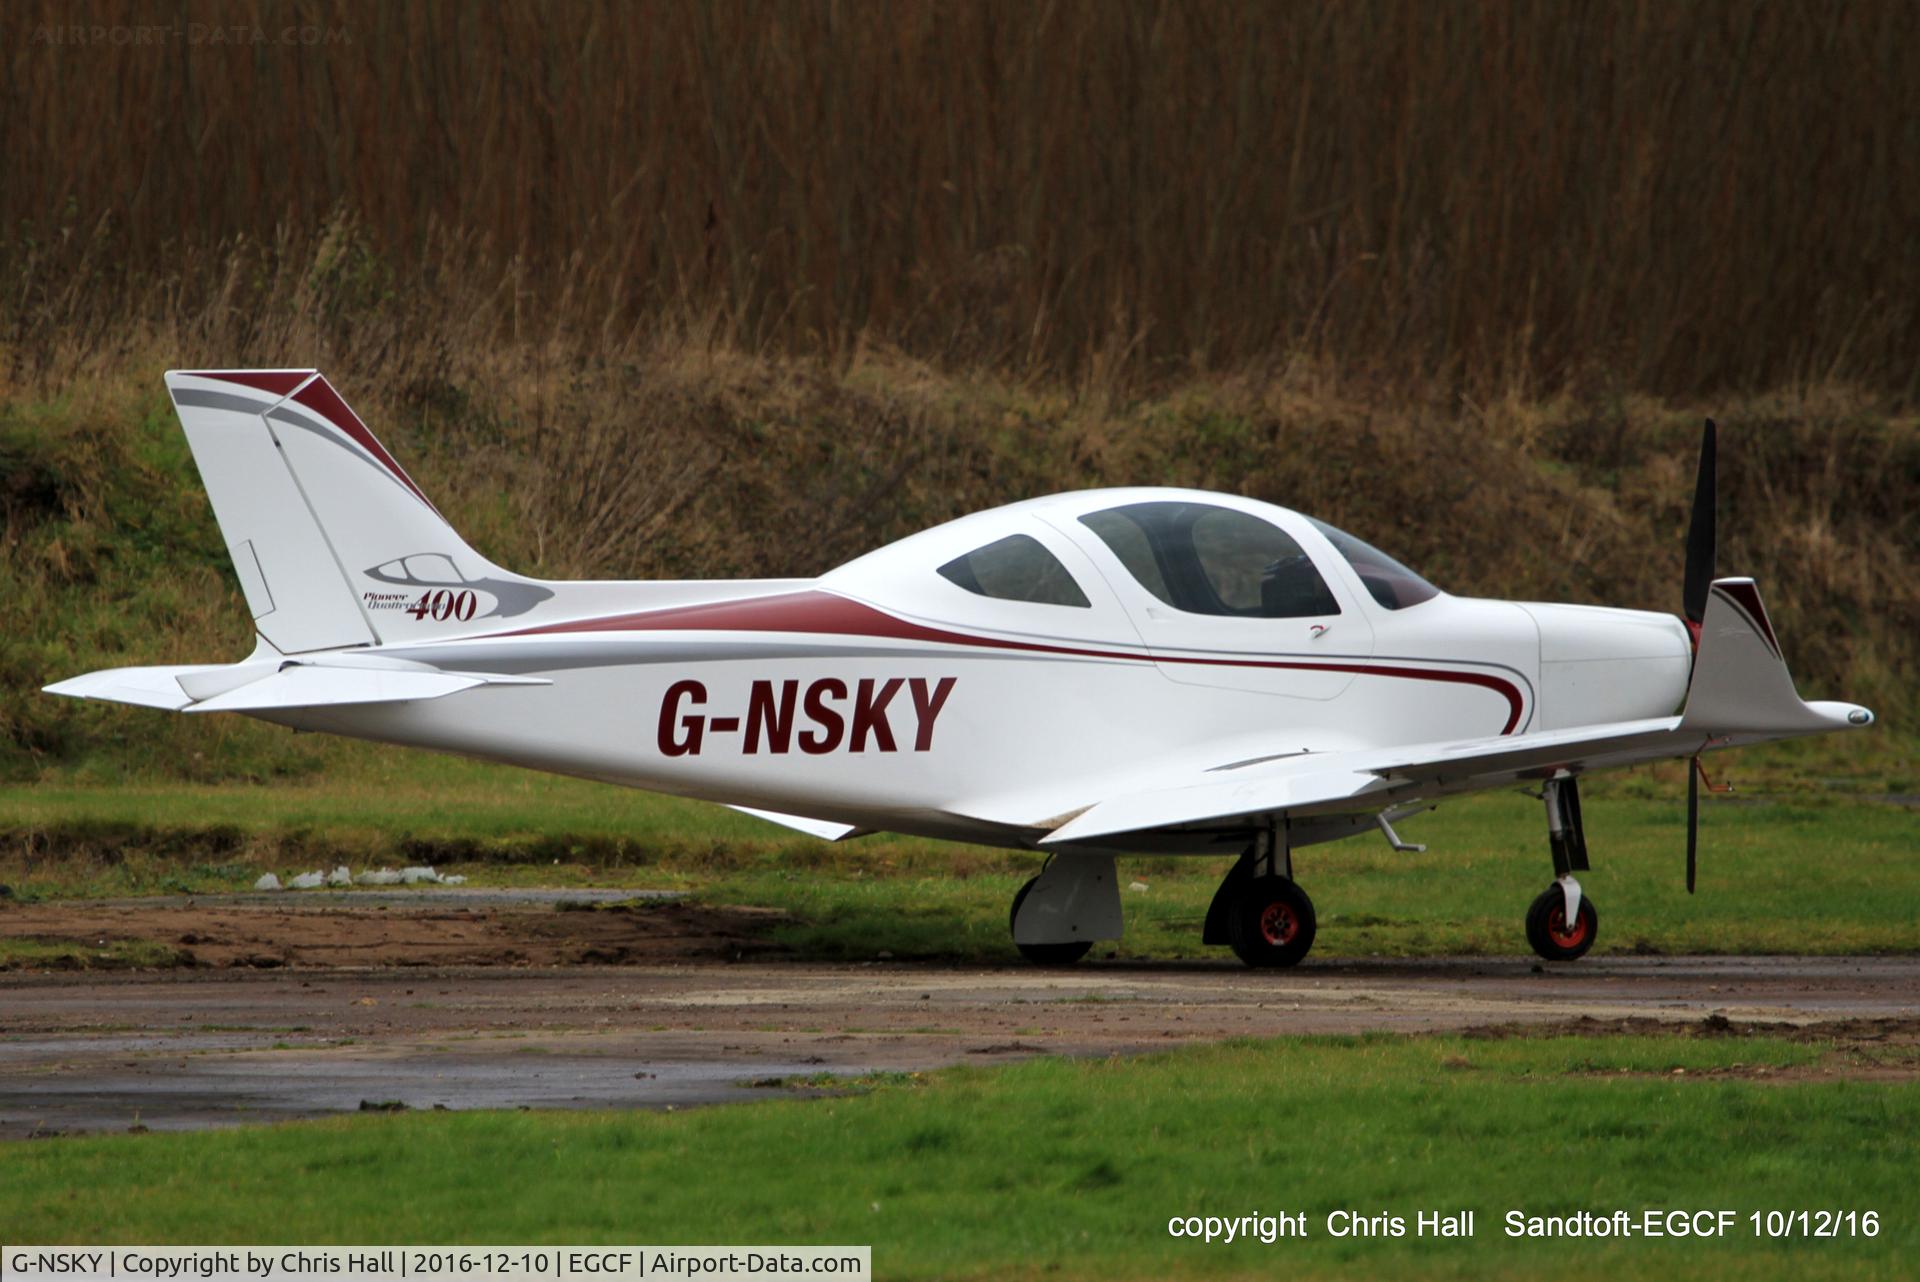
1562 921
1260 911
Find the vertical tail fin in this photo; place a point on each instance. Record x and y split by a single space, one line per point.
333 543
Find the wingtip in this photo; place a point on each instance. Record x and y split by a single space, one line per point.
1843 716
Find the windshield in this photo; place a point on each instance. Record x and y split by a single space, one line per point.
1387 581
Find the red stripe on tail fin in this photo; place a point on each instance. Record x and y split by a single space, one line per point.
279 382
320 397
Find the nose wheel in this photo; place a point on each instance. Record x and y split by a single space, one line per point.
1549 931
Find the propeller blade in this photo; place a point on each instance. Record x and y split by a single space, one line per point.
1700 532
1693 819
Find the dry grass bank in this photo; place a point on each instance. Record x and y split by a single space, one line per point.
570 453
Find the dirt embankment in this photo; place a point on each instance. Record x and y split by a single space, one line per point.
437 928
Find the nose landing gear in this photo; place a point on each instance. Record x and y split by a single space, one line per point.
1562 921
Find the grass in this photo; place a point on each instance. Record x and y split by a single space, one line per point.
1071 1169
1799 863
1778 879
395 805
108 954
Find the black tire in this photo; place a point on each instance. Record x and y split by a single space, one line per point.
1045 954
1547 929
1272 922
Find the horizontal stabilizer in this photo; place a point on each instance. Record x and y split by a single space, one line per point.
144 687
310 686
280 685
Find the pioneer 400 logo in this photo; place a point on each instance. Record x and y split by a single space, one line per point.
872 716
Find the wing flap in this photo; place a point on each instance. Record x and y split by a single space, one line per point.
1311 782
824 829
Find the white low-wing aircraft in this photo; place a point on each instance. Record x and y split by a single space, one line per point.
1102 672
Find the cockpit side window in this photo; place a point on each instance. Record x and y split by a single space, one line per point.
1387 581
1205 559
1126 537
1016 568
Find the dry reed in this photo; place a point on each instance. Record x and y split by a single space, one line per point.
1671 197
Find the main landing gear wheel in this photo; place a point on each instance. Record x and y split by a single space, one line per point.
1272 923
1045 954
1547 928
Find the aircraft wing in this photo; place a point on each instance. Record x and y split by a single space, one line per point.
1741 693
1328 783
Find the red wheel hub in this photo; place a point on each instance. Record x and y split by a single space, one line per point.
1278 924
1558 932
